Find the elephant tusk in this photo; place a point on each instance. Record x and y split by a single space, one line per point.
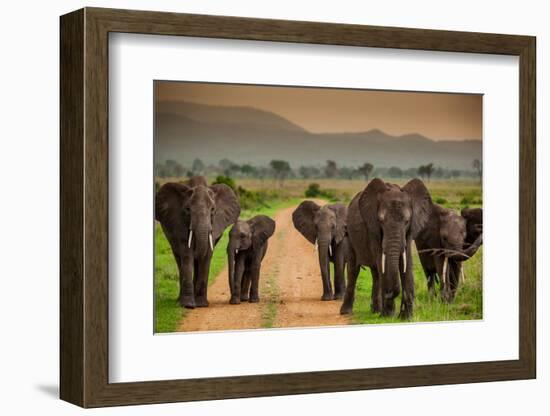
211 243
237 251
445 270
316 244
329 250
383 262
190 238
404 261
462 278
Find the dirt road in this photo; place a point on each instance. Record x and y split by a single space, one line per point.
290 290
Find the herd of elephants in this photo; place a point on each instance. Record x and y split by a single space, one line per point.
375 230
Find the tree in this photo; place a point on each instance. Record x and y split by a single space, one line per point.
331 169
248 170
304 172
281 170
178 170
228 167
198 167
395 172
308 172
365 170
477 165
426 170
347 172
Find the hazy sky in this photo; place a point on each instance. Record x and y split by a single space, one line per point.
321 110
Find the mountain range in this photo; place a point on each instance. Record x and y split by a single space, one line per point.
185 131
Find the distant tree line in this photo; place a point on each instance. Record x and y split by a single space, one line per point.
280 170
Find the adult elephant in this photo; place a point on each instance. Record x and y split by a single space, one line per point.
382 222
326 228
445 243
193 217
245 252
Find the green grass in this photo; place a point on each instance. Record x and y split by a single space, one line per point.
270 291
168 313
467 305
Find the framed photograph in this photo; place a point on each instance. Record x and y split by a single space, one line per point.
255 207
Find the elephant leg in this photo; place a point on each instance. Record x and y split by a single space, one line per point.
245 288
454 278
240 276
431 278
201 295
196 284
187 292
407 285
339 278
349 296
254 273
376 294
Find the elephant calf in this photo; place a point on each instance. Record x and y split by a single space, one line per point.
245 252
326 228
445 243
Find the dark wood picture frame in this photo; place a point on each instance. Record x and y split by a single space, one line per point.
84 207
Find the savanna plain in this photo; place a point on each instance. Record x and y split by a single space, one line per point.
290 282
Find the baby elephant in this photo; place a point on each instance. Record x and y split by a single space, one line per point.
326 228
445 243
245 251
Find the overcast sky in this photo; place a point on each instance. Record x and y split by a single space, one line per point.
320 110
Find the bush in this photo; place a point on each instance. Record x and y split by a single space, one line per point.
251 200
440 200
225 180
313 190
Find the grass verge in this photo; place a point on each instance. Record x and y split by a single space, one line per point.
467 305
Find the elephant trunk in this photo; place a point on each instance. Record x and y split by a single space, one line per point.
461 254
393 253
231 252
202 234
472 249
323 249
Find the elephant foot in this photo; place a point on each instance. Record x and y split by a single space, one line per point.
346 309
234 301
387 312
201 302
244 298
254 299
375 309
326 296
338 296
187 302
446 297
405 315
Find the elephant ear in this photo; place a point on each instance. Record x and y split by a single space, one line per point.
474 222
169 202
303 217
262 228
341 213
368 205
227 209
421 205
